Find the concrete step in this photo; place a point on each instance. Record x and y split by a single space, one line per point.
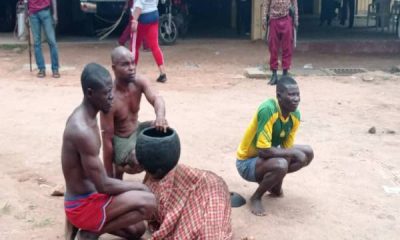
353 46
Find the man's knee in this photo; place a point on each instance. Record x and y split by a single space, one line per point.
145 203
309 153
281 167
136 231
141 201
276 166
52 43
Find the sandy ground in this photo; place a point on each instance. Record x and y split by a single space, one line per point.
339 196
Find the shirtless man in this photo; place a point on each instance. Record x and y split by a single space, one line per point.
94 202
120 125
267 151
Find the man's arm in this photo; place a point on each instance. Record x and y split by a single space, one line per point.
287 153
266 6
107 133
157 102
55 15
94 170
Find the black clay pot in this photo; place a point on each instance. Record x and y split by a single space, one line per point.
158 151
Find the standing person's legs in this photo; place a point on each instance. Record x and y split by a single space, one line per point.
152 41
48 26
323 14
36 27
286 26
351 12
331 11
247 17
343 16
273 46
273 43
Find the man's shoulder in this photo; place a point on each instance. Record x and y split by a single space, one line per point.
296 114
269 105
141 80
77 128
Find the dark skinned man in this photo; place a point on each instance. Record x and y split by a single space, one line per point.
267 151
120 126
94 202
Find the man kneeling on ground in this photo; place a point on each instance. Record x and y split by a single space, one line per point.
267 151
192 203
120 126
94 202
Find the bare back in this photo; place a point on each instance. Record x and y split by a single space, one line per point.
78 129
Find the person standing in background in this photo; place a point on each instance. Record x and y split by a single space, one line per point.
244 16
348 9
327 11
277 16
40 17
145 23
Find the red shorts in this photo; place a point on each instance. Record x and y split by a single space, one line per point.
88 211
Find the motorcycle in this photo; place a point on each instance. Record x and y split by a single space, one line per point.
174 20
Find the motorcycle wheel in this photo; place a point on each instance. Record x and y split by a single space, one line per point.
167 36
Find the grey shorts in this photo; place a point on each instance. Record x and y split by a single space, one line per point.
247 168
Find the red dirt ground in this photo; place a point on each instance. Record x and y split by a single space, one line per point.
339 196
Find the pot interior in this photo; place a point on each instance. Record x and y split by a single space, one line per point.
152 132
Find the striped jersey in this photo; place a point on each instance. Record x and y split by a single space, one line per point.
268 128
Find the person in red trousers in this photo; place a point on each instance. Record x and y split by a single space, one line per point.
277 17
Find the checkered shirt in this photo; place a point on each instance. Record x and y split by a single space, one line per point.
192 204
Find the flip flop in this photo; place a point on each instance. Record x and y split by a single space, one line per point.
237 200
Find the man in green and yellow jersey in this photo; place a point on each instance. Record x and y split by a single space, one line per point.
267 151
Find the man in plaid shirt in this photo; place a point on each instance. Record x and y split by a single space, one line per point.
280 34
192 203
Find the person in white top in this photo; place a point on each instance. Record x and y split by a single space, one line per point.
144 23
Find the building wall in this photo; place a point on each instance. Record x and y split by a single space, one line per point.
363 6
257 31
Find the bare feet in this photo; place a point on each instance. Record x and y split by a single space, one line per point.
256 206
